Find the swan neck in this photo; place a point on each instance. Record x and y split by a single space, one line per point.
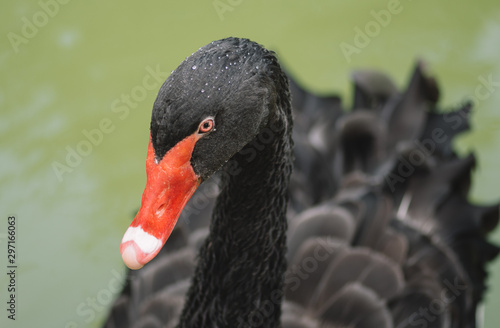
239 277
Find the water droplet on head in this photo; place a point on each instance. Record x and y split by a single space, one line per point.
227 67
194 67
202 90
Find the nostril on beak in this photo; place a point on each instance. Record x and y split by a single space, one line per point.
161 209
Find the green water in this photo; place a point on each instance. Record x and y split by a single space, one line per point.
86 65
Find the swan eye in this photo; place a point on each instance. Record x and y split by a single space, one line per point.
206 126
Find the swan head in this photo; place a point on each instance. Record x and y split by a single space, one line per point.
208 109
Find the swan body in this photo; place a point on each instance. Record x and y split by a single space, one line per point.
380 233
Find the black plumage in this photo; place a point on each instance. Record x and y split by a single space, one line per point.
380 232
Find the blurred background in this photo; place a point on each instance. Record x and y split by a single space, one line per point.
77 83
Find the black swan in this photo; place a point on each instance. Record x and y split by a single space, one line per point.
380 233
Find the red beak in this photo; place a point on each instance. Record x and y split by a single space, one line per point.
170 184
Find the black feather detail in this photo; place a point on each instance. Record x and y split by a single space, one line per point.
381 232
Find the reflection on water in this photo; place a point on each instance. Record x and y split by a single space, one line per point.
85 69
